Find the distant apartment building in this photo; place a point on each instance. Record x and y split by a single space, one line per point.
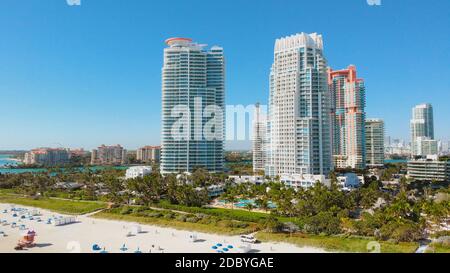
149 154
422 126
298 120
375 142
347 118
445 148
429 169
109 155
77 152
397 147
47 156
259 135
193 107
425 146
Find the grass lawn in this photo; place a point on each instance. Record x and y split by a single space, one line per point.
56 205
216 226
232 214
437 248
333 243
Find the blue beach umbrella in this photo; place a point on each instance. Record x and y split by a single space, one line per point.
96 247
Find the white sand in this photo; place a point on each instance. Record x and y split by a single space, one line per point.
111 235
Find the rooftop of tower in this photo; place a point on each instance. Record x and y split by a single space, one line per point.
312 40
178 41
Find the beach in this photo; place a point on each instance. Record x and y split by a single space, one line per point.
121 237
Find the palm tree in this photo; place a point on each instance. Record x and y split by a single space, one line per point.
249 206
230 198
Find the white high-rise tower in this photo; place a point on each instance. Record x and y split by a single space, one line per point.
422 127
259 136
298 128
193 107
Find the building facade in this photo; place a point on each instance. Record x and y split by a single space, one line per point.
47 156
347 118
375 142
109 155
193 107
258 141
138 171
422 125
298 127
149 154
425 146
429 169
297 181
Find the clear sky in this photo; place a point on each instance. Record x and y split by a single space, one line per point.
81 76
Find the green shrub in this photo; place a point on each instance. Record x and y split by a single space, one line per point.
192 219
138 210
125 210
154 214
169 215
181 218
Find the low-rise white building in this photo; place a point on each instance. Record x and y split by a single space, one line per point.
350 181
213 190
429 169
138 171
253 179
297 181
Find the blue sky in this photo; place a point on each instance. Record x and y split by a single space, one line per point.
80 76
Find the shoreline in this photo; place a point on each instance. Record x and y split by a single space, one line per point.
111 234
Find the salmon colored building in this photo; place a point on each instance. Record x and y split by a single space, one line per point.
348 118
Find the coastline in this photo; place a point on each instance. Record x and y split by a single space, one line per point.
87 231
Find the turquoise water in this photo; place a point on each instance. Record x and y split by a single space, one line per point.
396 161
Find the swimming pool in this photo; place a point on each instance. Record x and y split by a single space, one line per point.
242 203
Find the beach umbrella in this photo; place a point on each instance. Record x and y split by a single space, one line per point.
214 247
124 248
138 250
96 247
225 249
230 246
